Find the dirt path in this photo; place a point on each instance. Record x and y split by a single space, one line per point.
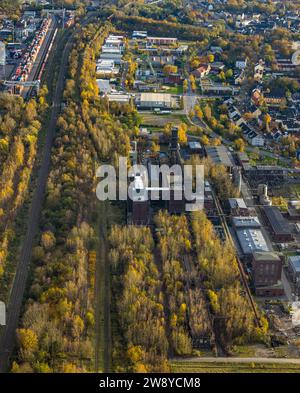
103 296
238 360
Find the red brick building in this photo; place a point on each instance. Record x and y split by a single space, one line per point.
266 273
279 226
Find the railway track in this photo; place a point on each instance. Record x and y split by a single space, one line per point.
7 339
37 70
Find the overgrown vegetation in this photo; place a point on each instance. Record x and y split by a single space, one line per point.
141 344
58 324
234 318
20 125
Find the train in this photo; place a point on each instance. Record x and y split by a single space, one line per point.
23 70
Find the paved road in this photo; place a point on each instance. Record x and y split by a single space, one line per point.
238 360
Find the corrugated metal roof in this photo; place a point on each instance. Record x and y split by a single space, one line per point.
278 223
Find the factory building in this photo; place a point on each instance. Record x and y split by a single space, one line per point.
237 207
161 41
106 67
294 269
249 235
279 226
251 240
268 174
138 205
220 156
266 274
154 100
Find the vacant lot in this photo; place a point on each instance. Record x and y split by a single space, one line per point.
153 120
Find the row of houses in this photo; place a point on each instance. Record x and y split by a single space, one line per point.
249 132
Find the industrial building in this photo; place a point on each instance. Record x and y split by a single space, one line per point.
116 57
249 234
294 268
209 203
139 208
268 174
195 147
279 226
104 86
242 158
246 222
106 66
114 41
138 34
154 100
220 156
139 204
120 98
266 273
251 240
238 207
161 41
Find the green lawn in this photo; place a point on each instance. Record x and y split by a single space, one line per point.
296 189
175 90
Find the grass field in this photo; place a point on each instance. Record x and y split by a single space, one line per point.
197 367
174 90
153 120
296 189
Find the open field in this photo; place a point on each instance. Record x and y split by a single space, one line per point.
160 120
178 89
153 120
295 189
252 367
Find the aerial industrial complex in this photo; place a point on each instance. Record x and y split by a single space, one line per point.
197 266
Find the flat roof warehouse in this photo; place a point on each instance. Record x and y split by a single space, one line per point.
251 240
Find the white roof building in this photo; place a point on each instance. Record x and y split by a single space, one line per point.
251 240
104 86
121 98
246 222
155 100
237 203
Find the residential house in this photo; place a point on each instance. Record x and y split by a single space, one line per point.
241 64
276 97
202 71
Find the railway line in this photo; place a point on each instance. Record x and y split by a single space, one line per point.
28 73
41 60
7 339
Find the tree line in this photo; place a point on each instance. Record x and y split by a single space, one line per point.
20 126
